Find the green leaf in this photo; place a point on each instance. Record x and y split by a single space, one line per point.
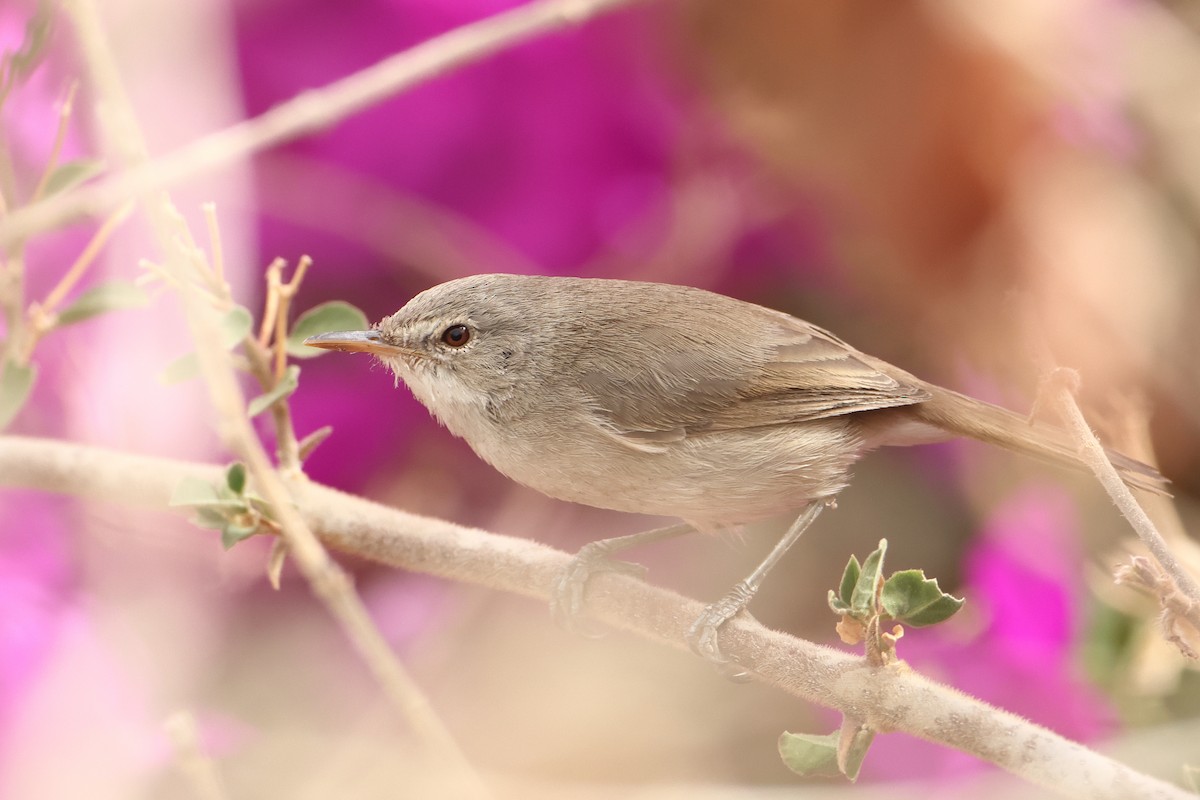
234 326
233 533
16 382
862 598
854 740
849 579
192 491
335 315
71 174
810 755
836 605
913 599
285 387
1110 636
209 517
108 296
235 477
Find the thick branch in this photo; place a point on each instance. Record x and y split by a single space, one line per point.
890 699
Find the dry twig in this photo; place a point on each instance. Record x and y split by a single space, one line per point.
329 582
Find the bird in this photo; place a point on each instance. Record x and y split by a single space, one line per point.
675 401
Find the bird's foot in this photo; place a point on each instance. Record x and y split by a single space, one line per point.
567 604
703 636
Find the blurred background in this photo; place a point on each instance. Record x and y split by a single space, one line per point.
922 178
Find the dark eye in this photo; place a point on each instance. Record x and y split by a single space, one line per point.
456 335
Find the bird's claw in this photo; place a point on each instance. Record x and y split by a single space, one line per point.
703 635
566 606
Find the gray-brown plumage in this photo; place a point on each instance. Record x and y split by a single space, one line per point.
671 400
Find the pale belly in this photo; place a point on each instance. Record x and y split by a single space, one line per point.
715 480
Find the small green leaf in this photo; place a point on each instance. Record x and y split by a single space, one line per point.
16 382
915 600
1108 643
854 740
335 315
71 174
192 491
862 599
233 533
285 387
849 579
209 517
234 326
235 477
810 755
108 296
836 605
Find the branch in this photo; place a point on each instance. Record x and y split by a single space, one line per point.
1093 453
890 699
196 765
1176 589
307 112
328 581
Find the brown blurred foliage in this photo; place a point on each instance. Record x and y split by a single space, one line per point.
964 168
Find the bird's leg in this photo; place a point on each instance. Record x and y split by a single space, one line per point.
567 603
702 636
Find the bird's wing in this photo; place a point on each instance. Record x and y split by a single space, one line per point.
677 387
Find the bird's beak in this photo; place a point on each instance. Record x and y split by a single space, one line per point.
358 342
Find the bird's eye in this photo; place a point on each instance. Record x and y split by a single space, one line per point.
456 336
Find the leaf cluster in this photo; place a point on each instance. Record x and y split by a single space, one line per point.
907 596
866 601
227 507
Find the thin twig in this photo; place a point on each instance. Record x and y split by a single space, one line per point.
267 364
60 138
329 582
85 259
310 111
1097 459
195 764
215 248
273 278
41 317
1175 587
12 299
287 292
890 699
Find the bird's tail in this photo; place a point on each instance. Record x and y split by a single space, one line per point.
976 419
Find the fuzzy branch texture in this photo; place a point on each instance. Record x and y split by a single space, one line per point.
888 699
